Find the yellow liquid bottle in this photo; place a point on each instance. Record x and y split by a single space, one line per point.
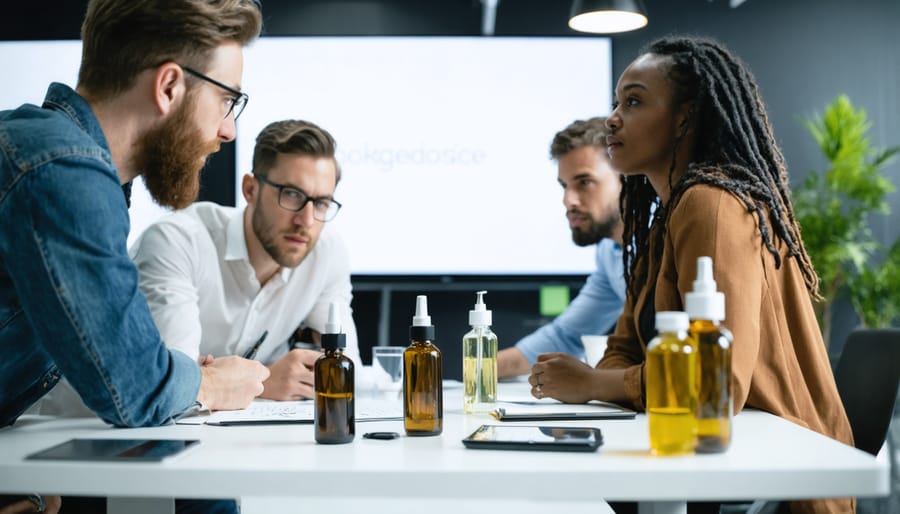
479 361
479 372
715 403
334 419
671 386
423 391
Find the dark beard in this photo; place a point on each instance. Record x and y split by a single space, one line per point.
593 234
168 158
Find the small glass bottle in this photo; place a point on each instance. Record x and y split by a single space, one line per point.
423 388
334 412
671 386
480 361
715 404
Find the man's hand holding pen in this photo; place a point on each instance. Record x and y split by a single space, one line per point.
292 376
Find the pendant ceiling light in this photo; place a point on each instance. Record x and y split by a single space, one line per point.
607 16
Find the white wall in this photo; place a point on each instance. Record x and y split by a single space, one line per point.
30 66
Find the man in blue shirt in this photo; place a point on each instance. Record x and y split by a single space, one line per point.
591 197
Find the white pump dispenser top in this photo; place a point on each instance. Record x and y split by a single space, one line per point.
421 319
480 315
704 302
333 325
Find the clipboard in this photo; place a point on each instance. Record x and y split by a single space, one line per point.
539 411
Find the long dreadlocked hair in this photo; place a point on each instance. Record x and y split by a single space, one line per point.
735 150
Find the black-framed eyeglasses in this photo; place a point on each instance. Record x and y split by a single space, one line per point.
325 208
236 103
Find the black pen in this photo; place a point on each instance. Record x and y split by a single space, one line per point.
252 351
303 339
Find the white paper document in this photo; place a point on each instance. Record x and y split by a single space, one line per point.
262 412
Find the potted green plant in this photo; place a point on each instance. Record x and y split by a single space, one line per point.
875 290
833 209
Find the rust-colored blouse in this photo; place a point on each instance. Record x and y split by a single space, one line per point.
780 363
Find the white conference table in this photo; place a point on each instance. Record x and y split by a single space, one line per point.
769 458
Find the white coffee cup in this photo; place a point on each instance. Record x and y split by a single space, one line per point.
594 348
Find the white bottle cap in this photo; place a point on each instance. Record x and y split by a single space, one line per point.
421 328
333 325
421 319
671 321
332 338
704 302
480 315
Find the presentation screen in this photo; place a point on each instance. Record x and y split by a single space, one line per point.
443 142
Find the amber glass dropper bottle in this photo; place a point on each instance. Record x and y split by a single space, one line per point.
334 416
423 392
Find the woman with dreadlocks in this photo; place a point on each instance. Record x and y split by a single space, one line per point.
704 176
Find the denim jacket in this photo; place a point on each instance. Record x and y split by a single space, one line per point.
69 298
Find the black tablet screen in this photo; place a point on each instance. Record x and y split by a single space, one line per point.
139 450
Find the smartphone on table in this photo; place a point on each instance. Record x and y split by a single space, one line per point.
530 437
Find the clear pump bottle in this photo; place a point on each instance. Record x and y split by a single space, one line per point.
480 360
715 404
423 391
334 413
671 386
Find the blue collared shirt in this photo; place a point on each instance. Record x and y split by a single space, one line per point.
594 311
69 298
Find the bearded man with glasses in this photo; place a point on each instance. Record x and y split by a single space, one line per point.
218 278
69 303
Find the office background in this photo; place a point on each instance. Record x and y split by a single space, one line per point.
803 53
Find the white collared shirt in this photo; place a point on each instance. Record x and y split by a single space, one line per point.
204 295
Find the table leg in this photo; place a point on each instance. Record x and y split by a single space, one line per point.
118 505
662 507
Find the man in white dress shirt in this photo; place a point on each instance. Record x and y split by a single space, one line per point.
220 279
